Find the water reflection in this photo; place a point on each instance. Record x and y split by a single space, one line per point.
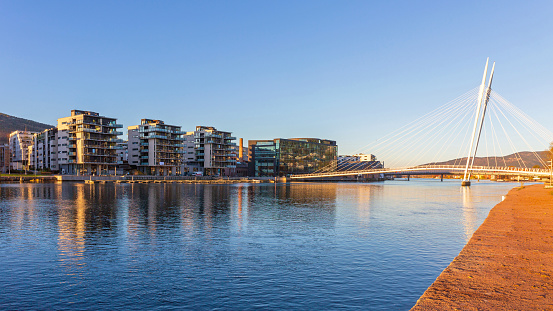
267 246
469 213
72 230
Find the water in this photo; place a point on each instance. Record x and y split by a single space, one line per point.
316 246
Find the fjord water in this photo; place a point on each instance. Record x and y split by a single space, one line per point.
316 246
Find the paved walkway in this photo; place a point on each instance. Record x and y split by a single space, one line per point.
508 262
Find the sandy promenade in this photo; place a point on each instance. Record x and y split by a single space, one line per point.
508 262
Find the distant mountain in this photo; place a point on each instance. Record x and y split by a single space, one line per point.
9 124
516 159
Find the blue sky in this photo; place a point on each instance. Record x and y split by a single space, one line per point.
350 71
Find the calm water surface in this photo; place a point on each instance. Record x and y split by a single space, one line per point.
316 246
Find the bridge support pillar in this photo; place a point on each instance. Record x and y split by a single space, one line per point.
408 177
442 179
465 183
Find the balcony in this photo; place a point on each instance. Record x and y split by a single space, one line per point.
113 124
87 130
152 136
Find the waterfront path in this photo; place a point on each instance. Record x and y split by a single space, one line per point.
508 262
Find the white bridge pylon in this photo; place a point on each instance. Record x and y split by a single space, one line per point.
478 121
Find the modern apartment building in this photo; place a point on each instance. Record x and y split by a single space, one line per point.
133 146
42 153
358 162
281 157
122 152
87 143
160 148
215 151
190 165
360 157
4 158
19 149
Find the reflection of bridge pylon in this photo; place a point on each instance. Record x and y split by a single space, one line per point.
478 121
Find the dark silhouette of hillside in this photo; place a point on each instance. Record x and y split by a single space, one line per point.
516 159
9 124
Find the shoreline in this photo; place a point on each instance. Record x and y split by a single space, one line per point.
508 262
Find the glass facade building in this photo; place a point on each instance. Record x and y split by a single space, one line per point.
282 157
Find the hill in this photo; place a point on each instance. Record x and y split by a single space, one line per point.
9 124
516 159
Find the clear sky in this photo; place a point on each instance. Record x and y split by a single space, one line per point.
350 71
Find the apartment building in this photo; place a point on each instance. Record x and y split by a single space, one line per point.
87 143
4 158
160 147
190 165
358 162
43 151
360 157
133 146
122 152
215 151
19 149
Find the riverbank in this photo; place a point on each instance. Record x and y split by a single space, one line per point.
508 262
138 179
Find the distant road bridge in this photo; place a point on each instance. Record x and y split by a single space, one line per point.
432 170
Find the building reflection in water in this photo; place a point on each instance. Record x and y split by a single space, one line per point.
295 204
469 213
71 229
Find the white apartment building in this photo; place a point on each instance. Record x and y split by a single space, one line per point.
87 143
19 149
133 145
43 152
360 157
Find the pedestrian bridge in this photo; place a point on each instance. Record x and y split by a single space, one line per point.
432 170
511 142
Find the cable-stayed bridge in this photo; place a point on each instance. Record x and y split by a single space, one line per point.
432 170
479 120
